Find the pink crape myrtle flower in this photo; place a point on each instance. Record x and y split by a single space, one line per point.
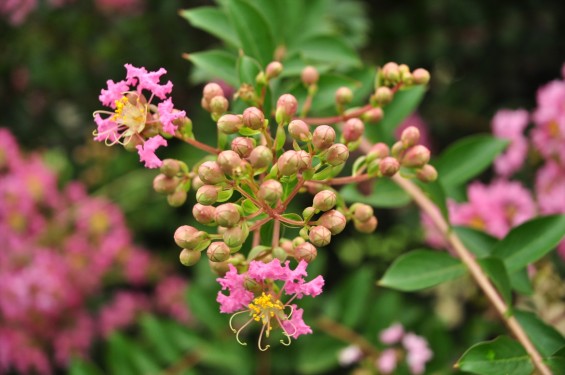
349 355
418 352
550 188
387 361
392 334
510 125
134 117
264 305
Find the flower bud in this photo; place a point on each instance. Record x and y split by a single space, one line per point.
197 183
304 160
309 75
260 157
288 163
416 156
299 130
204 214
218 252
270 191
368 226
389 166
320 236
391 72
361 212
235 237
189 257
287 246
407 78
323 137
211 173
279 253
170 167
253 118
243 146
286 108
353 129
325 200
373 115
308 212
219 105
337 154
306 252
229 124
334 221
427 173
297 241
378 151
227 215
228 161
165 185
343 95
420 76
212 90
207 195
177 198
189 237
410 136
252 285
397 149
383 95
274 69
219 268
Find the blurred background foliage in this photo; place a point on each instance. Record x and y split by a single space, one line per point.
482 56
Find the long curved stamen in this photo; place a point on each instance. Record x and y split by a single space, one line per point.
290 300
261 339
233 316
239 331
286 333
291 311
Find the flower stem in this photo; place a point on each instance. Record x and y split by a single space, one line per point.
343 333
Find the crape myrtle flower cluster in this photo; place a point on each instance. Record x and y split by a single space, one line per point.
263 161
59 249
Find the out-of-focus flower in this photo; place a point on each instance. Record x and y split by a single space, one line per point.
387 361
392 334
548 135
418 352
510 125
349 355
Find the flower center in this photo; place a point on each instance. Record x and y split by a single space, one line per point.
265 307
131 115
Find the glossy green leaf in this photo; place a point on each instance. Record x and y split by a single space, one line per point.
495 270
530 241
267 233
212 20
420 269
467 157
205 309
358 289
520 281
257 250
384 194
247 68
218 64
499 356
478 242
292 216
329 49
546 338
253 30
155 333
327 172
248 207
556 361
280 138
224 195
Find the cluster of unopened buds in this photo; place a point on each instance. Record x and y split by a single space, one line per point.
244 188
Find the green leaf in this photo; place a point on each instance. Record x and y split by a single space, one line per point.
155 333
358 288
557 361
499 356
317 355
385 194
327 172
403 104
205 309
257 250
253 30
546 338
280 138
520 281
218 64
248 207
496 271
248 132
292 216
434 190
530 241
329 49
81 367
467 157
224 195
480 243
267 233
212 20
421 269
247 68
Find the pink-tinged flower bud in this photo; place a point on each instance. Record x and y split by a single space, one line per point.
243 146
297 241
306 252
207 195
337 154
353 129
368 226
323 137
391 72
416 156
304 160
228 161
212 90
308 212
197 183
309 75
288 163
165 185
227 215
189 257
397 149
325 200
334 221
427 173
361 212
343 95
270 191
280 254
320 236
189 237
204 214
287 246
420 76
170 167
211 173
219 268
373 115
389 166
378 151
273 70
407 78
382 96
177 198
410 136
253 118
218 252
229 124
299 130
252 285
218 105
260 157
235 237
403 68
286 108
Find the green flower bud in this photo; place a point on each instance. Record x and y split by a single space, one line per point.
308 213
416 156
420 76
297 241
320 236
353 129
389 166
373 115
204 214
165 185
343 95
280 254
253 118
299 130
334 221
323 137
219 268
197 183
378 151
286 108
235 237
368 226
306 252
288 163
189 237
270 191
325 200
337 154
177 198
410 136
189 257
383 96
361 212
391 72
260 157
207 195
273 70
227 215
218 252
171 167
229 124
309 75
212 90
427 173
211 173
229 161
218 105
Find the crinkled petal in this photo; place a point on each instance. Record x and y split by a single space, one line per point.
272 270
238 297
148 81
300 288
296 326
167 115
115 91
107 129
147 151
